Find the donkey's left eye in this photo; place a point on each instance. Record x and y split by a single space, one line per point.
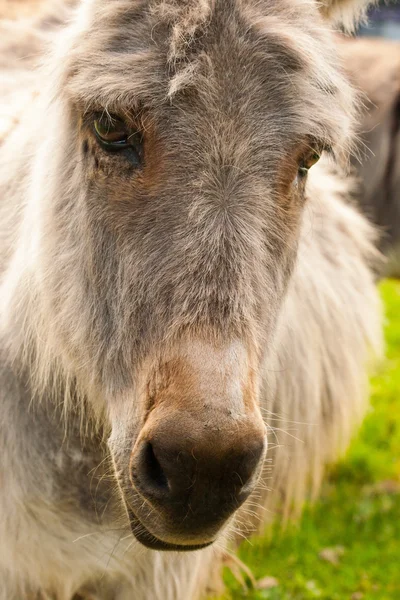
307 161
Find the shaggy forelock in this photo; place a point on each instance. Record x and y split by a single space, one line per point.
185 19
136 54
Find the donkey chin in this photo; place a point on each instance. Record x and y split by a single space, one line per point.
199 451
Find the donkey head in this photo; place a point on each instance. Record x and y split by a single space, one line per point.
185 132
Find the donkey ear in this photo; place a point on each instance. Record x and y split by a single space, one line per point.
345 12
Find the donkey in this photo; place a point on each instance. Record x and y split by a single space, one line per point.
180 274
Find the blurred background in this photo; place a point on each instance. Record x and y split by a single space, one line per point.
383 21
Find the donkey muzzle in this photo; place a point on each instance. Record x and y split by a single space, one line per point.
200 450
195 479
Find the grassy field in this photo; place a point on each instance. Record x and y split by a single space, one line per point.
348 545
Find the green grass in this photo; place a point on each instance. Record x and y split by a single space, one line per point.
358 515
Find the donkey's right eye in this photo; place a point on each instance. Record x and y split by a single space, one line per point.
114 135
111 132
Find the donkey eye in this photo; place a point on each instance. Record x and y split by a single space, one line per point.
111 131
307 161
114 135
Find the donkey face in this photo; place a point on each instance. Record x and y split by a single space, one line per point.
189 129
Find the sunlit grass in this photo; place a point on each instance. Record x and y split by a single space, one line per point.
358 515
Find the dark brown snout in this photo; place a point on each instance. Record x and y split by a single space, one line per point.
196 483
195 477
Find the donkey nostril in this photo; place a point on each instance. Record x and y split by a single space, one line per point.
152 470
